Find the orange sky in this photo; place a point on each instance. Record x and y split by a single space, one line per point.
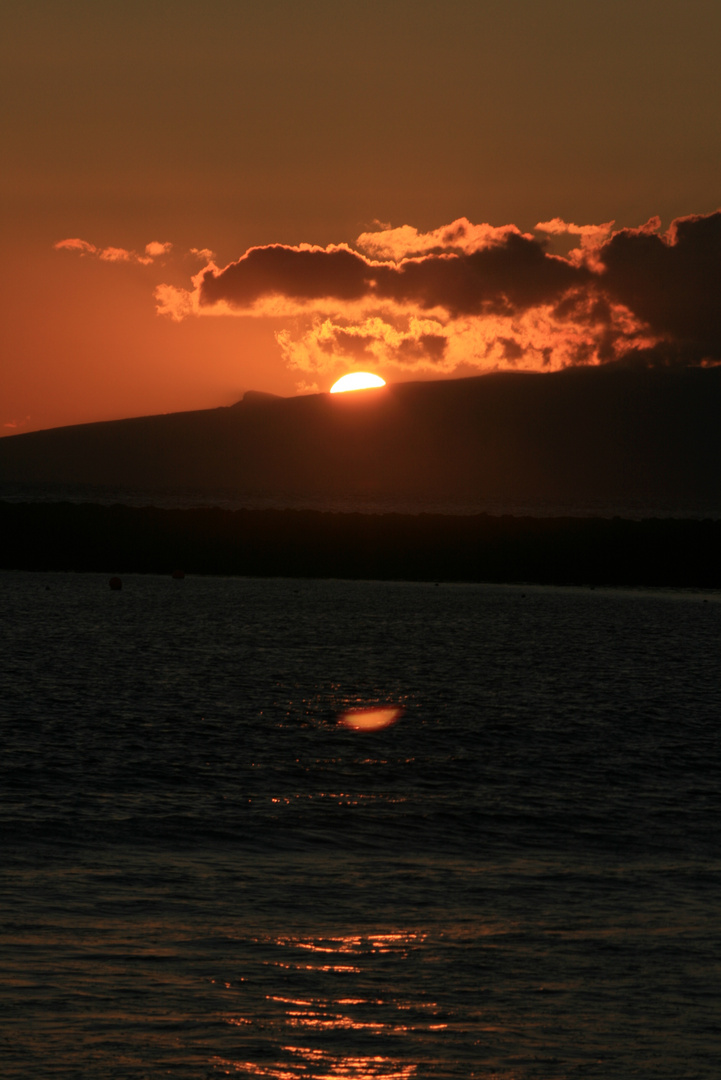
226 126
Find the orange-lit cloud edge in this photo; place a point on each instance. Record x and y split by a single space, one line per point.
469 297
152 251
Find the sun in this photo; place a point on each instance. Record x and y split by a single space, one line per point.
357 380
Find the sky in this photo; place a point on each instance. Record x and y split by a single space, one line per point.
198 200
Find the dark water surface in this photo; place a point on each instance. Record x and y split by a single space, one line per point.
622 505
206 873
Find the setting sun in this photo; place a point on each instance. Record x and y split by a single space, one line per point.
356 380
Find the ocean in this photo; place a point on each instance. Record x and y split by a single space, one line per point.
214 863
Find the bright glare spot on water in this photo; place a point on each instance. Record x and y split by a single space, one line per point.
371 719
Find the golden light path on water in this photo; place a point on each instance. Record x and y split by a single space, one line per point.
314 1014
323 1015
352 1068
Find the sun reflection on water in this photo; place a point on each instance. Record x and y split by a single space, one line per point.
332 1010
371 719
322 1065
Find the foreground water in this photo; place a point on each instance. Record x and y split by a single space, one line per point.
206 872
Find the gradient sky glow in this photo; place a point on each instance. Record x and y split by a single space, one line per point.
165 136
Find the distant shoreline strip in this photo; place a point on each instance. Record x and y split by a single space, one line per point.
311 543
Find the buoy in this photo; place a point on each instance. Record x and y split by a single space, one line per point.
178 575
115 583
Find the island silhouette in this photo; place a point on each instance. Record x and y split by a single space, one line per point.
614 436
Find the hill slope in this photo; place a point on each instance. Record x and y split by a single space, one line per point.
580 434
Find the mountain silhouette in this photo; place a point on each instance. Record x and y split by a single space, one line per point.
610 434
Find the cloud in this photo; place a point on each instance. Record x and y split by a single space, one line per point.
176 303
480 298
556 226
415 344
511 273
469 296
114 254
298 274
671 281
544 337
487 296
203 253
81 246
461 236
591 236
154 250
15 425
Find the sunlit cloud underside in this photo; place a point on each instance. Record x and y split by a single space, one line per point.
469 297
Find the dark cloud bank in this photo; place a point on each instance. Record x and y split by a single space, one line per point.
633 296
514 275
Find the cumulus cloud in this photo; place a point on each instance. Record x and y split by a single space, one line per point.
469 296
483 296
115 254
591 237
154 250
414 344
541 338
460 236
176 303
509 274
671 281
